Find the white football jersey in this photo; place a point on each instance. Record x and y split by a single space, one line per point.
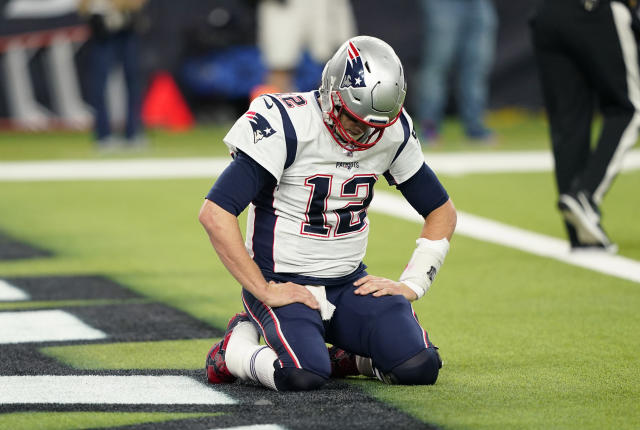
314 222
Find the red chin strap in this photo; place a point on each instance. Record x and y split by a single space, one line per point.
343 138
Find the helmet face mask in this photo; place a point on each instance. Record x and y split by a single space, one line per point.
372 133
364 81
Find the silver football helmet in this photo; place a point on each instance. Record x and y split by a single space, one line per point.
365 80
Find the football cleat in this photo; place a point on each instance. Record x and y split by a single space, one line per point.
583 219
215 366
343 363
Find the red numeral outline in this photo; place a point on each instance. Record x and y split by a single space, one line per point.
355 215
326 225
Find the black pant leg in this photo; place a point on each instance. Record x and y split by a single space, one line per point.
568 97
614 70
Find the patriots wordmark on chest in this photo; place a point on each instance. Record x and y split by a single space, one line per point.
347 165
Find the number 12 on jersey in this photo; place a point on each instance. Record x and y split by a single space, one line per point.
349 219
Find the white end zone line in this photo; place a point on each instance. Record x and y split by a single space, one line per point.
73 170
100 389
506 162
449 164
44 326
11 293
535 243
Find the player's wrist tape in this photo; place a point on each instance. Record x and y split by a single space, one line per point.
425 263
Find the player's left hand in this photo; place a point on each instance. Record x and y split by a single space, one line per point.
377 286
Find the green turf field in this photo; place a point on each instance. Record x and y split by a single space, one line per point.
527 342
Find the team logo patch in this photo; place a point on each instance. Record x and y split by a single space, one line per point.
354 70
260 125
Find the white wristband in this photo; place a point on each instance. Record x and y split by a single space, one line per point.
425 263
415 288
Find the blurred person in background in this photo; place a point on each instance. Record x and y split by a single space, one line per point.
459 35
114 40
286 28
587 55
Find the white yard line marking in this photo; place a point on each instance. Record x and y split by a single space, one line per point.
449 164
98 389
44 326
72 170
505 162
513 237
11 293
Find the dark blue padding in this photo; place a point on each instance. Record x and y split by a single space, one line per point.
421 369
239 184
424 191
292 379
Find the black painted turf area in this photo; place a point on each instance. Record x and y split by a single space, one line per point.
11 249
71 288
338 405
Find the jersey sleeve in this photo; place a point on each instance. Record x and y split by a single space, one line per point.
239 184
423 191
408 159
260 134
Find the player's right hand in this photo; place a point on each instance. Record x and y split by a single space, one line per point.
281 294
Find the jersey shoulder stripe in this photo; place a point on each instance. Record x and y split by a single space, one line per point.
407 133
291 139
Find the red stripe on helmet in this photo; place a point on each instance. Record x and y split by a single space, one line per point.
354 50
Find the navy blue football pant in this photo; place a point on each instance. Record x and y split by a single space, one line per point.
383 328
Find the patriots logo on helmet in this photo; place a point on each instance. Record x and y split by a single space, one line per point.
260 125
354 71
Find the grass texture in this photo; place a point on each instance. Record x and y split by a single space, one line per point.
175 354
527 342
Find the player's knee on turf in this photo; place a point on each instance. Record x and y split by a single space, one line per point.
293 379
421 369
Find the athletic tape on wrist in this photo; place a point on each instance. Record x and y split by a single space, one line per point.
424 264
